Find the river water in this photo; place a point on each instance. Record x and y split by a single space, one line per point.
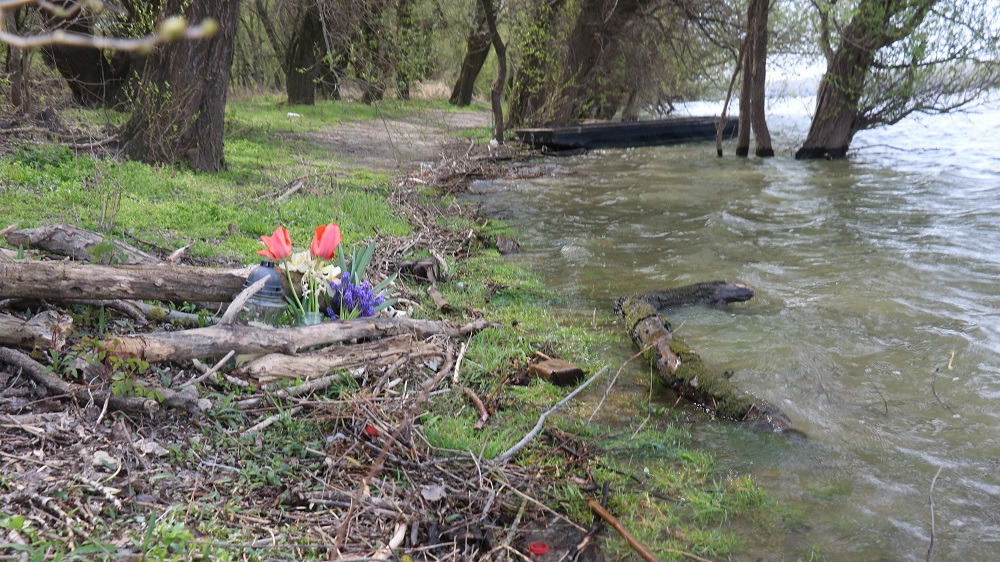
878 285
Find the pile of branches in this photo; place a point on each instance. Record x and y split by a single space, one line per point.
86 434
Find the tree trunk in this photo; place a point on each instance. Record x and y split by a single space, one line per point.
301 60
752 90
835 121
180 105
216 341
407 49
373 61
476 50
20 97
272 35
496 92
72 281
592 47
533 81
93 78
746 106
683 371
874 25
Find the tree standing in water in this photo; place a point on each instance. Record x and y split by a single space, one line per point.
895 57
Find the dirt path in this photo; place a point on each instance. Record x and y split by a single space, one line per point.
398 143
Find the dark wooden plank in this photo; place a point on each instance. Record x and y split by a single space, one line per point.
625 134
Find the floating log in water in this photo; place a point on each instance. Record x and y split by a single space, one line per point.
682 369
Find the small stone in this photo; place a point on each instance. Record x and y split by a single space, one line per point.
105 461
148 446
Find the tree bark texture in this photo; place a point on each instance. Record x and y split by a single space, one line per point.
181 99
72 281
496 91
477 48
372 57
683 371
46 329
593 46
216 341
317 363
78 243
20 97
534 80
94 78
875 24
302 59
752 91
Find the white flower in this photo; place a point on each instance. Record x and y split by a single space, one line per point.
330 272
300 262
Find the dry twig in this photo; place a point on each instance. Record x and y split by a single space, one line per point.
506 455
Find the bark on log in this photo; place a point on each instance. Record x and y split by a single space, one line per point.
82 394
307 365
71 281
715 293
75 242
218 340
683 371
46 329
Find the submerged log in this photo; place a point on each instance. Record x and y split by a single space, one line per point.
215 341
714 293
72 281
683 371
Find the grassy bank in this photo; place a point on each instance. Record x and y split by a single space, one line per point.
217 491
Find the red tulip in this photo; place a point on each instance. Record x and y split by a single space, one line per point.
325 241
538 548
279 245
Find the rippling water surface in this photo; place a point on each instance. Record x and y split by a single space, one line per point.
872 274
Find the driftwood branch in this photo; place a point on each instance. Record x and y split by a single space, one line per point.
45 329
77 243
506 455
640 548
682 370
317 363
214 341
72 281
81 394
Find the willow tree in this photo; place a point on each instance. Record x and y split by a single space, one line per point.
606 59
895 57
179 107
477 48
753 57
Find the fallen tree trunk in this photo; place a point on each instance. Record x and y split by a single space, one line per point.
216 341
317 363
714 293
72 281
683 371
78 243
47 329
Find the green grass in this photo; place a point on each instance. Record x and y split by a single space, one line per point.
659 481
221 214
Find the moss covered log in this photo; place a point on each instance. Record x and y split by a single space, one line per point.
683 370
